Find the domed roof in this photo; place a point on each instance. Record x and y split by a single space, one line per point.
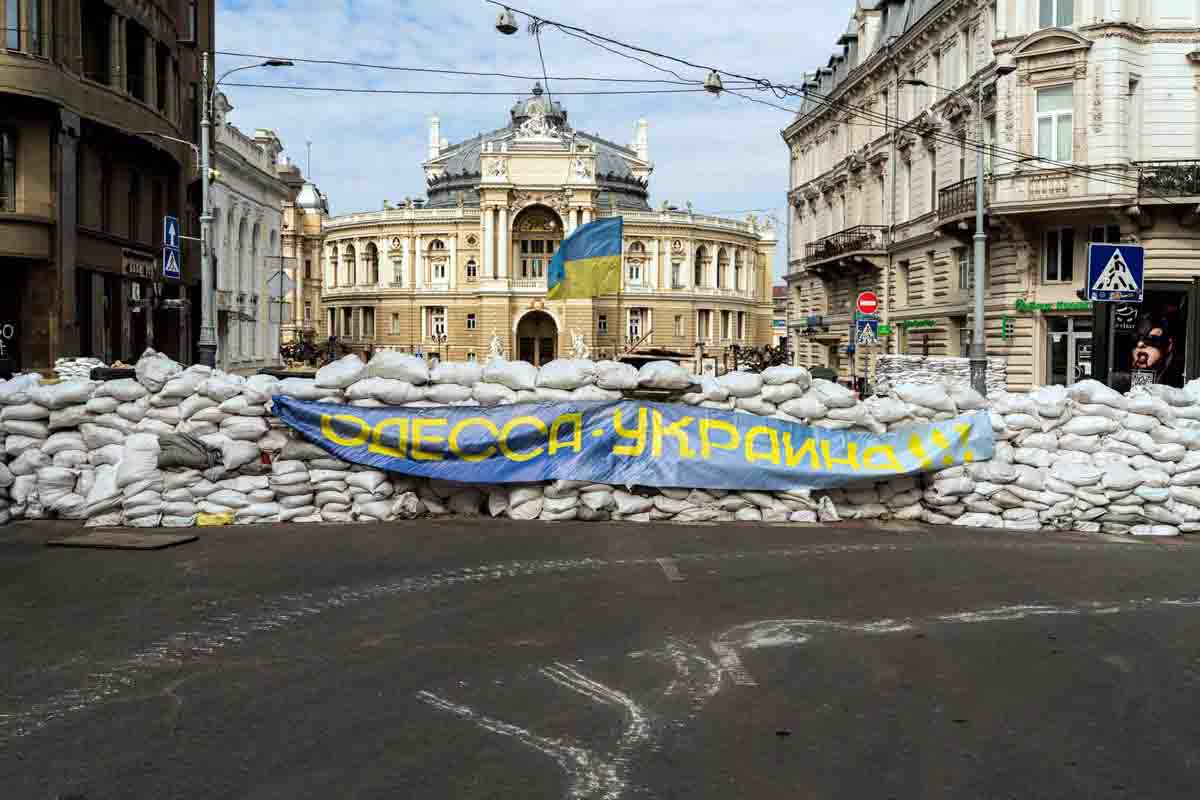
310 198
537 104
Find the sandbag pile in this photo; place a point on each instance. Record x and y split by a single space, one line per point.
76 368
944 370
1083 458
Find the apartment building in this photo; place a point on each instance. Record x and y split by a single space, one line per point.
88 91
1086 116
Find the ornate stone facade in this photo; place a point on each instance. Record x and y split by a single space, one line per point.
464 270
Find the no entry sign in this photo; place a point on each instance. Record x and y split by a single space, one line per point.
868 303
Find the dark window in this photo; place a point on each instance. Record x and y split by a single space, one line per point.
135 59
1059 254
307 268
8 172
162 61
105 196
1106 234
190 24
156 210
36 37
135 206
94 17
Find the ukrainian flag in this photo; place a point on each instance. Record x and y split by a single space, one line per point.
588 263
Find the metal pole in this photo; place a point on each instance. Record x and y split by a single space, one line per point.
207 345
978 343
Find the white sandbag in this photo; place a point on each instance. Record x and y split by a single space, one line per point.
567 374
858 417
492 394
465 503
241 406
443 394
831 395
803 517
25 411
236 454
967 399
1090 426
628 503
34 429
291 501
15 391
781 393
1079 474
664 375
808 407
1152 407
60 395
1094 392
245 429
1120 477
497 501
1154 530
63 440
101 405
69 418
140 459
398 366
341 373
15 445
300 389
927 395
741 384
1081 444
783 374
108 454
155 369
127 390
182 386
755 405
616 375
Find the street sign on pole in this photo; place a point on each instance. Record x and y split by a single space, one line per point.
868 303
171 260
867 334
1115 273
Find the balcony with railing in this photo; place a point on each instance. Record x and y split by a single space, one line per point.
861 240
958 199
1179 178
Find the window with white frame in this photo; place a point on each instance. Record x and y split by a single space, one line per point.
602 324
964 336
368 323
905 182
639 323
704 325
435 320
726 325
1056 13
949 62
472 270
989 140
679 324
1058 255
348 323
470 322
1055 122
966 276
635 272
931 157
967 40
676 275
635 260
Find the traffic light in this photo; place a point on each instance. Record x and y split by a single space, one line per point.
1007 324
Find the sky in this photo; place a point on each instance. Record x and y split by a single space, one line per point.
723 154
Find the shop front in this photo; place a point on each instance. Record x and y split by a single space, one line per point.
1152 342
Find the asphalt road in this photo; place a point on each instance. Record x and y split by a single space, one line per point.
503 660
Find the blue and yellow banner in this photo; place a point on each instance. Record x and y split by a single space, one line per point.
588 262
628 443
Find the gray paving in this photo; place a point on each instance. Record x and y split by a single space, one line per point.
501 660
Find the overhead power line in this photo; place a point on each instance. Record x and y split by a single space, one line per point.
466 92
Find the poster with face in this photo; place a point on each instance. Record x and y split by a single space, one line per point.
1149 340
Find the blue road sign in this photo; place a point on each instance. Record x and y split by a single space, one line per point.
1115 273
867 331
170 257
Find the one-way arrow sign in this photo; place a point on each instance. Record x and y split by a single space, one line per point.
170 256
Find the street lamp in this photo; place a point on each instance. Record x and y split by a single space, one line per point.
208 328
978 352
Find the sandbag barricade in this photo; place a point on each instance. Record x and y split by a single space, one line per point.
1081 458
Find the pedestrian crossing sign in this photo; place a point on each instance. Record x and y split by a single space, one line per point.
868 332
1115 273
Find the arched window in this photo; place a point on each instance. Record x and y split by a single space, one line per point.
722 267
240 249
635 261
472 270
372 264
249 284
737 271
698 267
439 264
350 260
331 270
537 233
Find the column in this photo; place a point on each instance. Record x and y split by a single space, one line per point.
452 268
407 261
489 258
504 243
150 70
653 279
360 263
418 264
587 216
383 265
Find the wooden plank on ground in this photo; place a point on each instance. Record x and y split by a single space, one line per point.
124 540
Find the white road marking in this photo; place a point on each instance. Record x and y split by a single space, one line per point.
731 663
670 569
585 777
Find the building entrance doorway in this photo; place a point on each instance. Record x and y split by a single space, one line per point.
1069 347
537 338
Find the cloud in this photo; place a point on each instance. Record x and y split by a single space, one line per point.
722 154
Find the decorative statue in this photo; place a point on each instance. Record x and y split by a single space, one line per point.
579 348
689 206
495 346
582 169
458 199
